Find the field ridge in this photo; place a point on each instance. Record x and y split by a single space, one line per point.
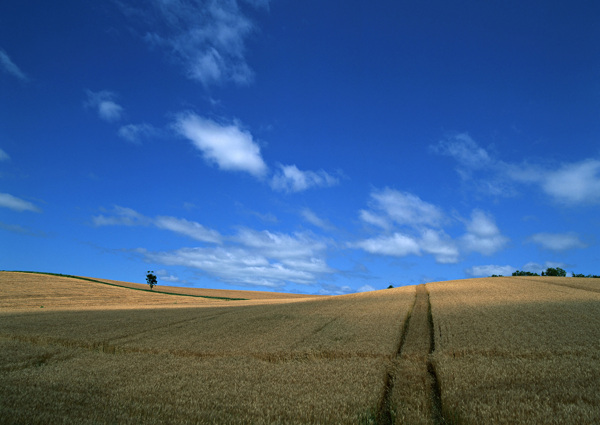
158 291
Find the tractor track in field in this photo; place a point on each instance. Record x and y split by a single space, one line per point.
416 344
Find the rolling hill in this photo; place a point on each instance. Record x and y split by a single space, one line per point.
494 350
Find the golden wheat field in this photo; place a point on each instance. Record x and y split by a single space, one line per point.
516 350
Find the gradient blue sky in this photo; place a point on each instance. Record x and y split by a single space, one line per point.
302 146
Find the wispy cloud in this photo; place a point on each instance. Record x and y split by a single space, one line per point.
315 220
233 265
135 133
254 258
207 37
464 150
290 249
489 270
9 67
249 257
15 228
228 146
17 204
332 289
366 288
165 276
121 216
4 156
557 241
569 183
104 103
291 179
188 228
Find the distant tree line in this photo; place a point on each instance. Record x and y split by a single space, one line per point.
550 271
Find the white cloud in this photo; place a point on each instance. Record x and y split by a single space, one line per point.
290 179
569 183
208 38
225 145
421 220
396 245
10 68
104 103
188 228
557 241
440 245
490 269
134 133
433 242
16 204
403 208
576 183
483 235
4 156
408 209
390 208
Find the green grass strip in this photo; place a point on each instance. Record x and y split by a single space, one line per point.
127 287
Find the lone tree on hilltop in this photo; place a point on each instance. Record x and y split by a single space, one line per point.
151 279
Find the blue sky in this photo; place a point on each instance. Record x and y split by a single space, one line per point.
315 147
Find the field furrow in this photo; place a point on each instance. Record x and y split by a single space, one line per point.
412 391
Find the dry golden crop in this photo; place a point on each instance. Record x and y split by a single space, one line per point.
494 351
518 350
321 360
